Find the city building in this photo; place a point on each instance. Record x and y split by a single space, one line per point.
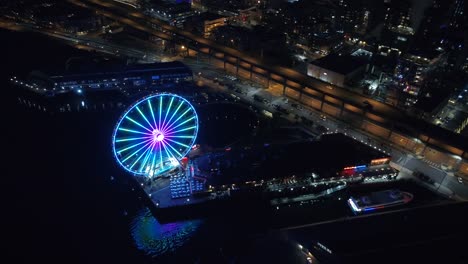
326 42
205 23
337 70
412 70
432 30
398 29
397 38
352 17
238 37
397 13
174 13
109 76
67 18
222 7
248 17
456 40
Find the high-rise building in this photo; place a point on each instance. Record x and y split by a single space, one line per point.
456 39
457 19
433 26
353 16
397 13
398 32
175 13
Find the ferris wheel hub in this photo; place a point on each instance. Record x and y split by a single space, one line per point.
157 136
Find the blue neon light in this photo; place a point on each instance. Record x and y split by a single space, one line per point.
154 134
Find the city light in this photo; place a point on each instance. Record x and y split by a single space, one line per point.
355 167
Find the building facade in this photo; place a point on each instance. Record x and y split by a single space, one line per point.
111 77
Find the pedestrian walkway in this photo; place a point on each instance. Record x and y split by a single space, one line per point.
432 164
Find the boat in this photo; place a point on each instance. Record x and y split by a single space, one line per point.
379 200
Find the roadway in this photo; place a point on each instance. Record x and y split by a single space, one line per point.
390 115
342 94
83 41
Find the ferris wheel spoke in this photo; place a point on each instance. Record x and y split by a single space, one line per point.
133 146
169 152
173 156
153 161
132 139
137 123
181 130
136 152
176 151
160 155
178 143
160 109
167 113
152 113
163 147
147 156
172 116
144 117
181 136
142 154
175 121
132 131
182 123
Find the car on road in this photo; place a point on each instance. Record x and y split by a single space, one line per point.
257 98
367 105
281 109
306 121
296 106
230 77
322 129
235 97
423 177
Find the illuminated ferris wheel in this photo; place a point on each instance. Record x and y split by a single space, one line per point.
154 134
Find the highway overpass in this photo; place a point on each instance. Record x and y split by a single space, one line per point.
383 120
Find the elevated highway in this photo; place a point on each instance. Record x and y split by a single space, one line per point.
382 120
